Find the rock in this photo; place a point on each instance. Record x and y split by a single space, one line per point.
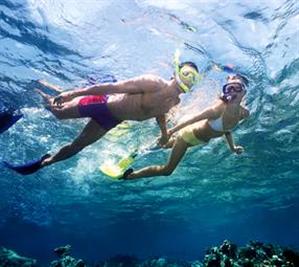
9 258
65 259
291 256
228 249
63 251
247 252
121 261
255 254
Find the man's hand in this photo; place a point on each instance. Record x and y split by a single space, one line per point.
170 132
63 97
163 140
238 150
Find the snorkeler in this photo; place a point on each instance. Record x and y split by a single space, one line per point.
213 122
108 104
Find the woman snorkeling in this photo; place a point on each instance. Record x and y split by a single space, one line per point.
213 122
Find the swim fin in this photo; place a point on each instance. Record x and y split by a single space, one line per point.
27 168
116 170
7 120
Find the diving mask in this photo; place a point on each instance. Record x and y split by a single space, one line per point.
186 75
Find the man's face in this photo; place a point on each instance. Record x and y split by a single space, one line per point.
188 75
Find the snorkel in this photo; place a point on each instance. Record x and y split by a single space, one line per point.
185 74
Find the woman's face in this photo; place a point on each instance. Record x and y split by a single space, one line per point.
236 87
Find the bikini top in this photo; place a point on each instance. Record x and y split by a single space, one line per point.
217 125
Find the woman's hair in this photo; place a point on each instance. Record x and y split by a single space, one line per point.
244 80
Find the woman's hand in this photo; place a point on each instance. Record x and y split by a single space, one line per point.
238 150
62 98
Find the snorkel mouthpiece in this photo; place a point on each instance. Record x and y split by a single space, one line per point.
185 74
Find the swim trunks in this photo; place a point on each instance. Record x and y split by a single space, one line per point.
95 107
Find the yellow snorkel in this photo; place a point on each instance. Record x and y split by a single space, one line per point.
185 74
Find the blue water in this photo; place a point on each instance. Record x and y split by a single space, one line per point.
213 195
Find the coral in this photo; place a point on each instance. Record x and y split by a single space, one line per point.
64 259
255 254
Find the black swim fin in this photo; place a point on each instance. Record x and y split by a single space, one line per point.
27 168
7 120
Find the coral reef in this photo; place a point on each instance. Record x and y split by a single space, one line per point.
254 254
65 260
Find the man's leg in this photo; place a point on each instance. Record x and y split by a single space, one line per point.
178 151
90 134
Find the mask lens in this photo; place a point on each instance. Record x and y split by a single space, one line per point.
188 75
236 87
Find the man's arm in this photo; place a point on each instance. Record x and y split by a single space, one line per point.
132 86
161 120
231 144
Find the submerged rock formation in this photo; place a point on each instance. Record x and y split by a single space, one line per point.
255 254
9 258
65 260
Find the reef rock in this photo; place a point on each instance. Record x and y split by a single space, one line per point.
9 258
65 260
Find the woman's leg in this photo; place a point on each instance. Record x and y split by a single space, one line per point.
178 151
90 134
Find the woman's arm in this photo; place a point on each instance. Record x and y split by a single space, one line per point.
209 113
244 113
235 149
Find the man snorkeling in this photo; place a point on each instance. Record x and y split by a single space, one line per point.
108 104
